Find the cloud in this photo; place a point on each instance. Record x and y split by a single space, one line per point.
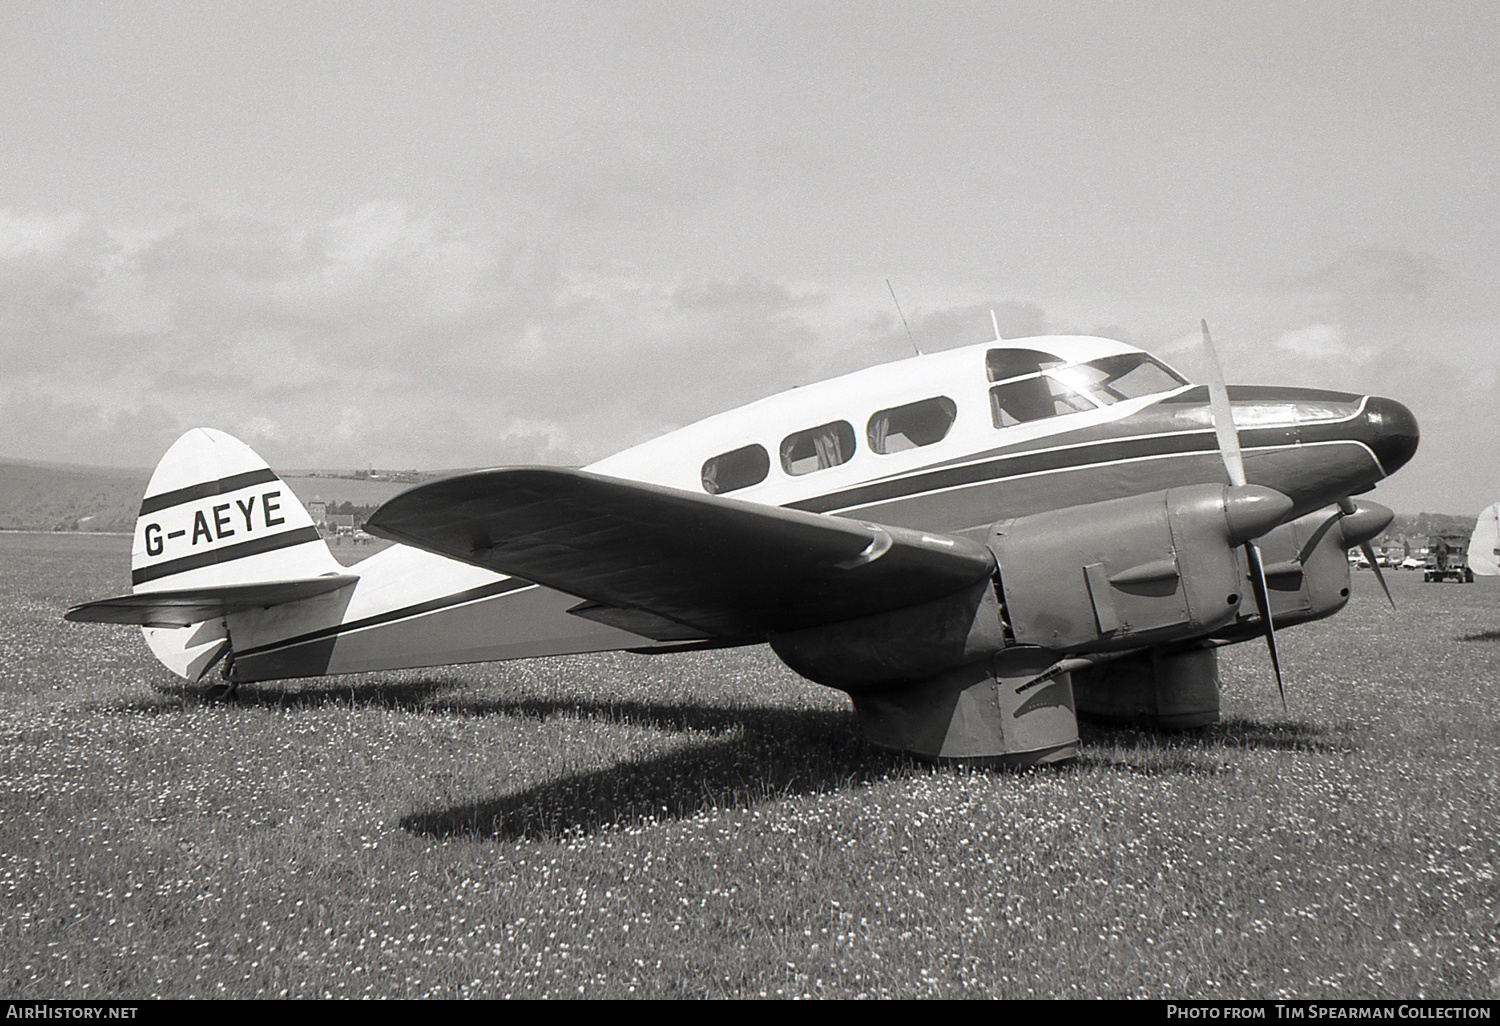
1322 342
23 235
1365 303
1373 274
965 325
39 426
377 335
398 338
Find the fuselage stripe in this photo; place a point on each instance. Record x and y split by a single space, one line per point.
254 547
152 503
842 510
484 591
1078 456
1005 466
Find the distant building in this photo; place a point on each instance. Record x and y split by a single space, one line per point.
329 523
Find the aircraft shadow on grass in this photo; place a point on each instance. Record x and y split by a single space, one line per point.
769 753
752 767
749 765
1481 636
759 753
1180 752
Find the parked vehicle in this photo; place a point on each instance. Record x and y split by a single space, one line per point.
1448 558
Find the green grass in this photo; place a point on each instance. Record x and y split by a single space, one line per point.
710 825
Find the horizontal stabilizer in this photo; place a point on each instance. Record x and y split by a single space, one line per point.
724 567
186 606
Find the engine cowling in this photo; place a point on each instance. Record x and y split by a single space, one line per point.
1125 573
1107 576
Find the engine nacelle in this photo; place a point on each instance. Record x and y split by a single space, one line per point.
1307 567
1307 578
981 673
1126 573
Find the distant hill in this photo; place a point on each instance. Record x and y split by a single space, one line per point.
64 497
1417 526
60 497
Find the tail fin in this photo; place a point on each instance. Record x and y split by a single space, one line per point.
216 514
218 532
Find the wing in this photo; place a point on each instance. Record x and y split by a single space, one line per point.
670 564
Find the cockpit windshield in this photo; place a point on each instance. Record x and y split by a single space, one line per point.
1030 385
1113 378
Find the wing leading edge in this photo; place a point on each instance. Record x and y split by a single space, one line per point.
673 564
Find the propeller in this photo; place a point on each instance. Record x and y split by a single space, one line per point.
1234 462
1347 507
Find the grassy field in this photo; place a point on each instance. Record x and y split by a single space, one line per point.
710 825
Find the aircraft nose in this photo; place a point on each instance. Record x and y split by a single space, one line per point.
1393 432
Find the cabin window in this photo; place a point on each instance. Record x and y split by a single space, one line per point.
1001 364
1034 398
740 468
911 426
817 448
1127 376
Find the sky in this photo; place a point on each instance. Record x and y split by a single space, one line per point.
471 234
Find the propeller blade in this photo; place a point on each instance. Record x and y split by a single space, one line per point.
1347 508
1234 463
1223 415
1263 606
1369 551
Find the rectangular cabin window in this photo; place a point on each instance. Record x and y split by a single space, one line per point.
817 448
911 426
739 468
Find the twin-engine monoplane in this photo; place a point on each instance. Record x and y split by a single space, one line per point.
974 545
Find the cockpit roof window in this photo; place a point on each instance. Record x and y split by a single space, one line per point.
1114 378
1003 364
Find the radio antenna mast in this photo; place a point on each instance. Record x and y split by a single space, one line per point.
909 337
